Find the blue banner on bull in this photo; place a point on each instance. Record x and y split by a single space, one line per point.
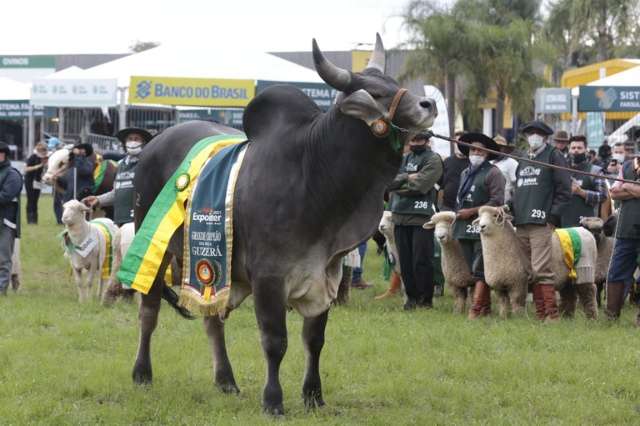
209 235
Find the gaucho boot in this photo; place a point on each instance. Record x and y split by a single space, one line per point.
394 287
550 304
481 301
538 301
615 300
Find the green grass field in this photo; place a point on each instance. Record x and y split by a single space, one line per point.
65 363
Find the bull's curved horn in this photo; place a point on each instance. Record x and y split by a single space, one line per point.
377 60
334 76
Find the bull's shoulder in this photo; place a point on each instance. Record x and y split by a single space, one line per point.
278 109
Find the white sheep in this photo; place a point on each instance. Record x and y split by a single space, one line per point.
507 269
604 241
456 272
86 246
387 228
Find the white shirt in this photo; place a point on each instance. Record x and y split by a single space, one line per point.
508 168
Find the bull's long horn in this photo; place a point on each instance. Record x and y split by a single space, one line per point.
334 76
377 59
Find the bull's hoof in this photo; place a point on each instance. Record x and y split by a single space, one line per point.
228 388
276 410
313 400
142 375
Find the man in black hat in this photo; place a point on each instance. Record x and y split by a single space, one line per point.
78 179
541 195
481 184
413 201
10 187
122 196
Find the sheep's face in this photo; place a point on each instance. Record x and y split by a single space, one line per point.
443 232
490 219
74 212
593 224
386 226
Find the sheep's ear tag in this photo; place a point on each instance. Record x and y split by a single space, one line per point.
380 128
182 182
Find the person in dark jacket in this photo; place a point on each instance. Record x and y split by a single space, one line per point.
626 248
413 203
78 180
538 202
32 180
453 167
481 184
10 187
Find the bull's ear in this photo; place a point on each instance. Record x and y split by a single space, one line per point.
360 104
429 225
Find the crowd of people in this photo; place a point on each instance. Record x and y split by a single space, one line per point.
539 198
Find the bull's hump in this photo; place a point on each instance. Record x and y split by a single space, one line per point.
277 108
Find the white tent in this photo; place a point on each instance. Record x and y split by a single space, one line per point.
12 90
69 72
169 61
630 77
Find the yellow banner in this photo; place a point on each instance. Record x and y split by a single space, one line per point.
191 91
359 59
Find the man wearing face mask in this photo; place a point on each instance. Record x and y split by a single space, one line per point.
587 192
121 197
626 248
481 184
412 205
539 199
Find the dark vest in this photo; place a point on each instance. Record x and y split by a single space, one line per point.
477 196
629 215
423 204
578 207
124 192
534 191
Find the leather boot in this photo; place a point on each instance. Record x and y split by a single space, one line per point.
550 304
538 300
394 287
615 300
481 301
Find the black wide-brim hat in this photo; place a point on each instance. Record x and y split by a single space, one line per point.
538 126
478 137
122 134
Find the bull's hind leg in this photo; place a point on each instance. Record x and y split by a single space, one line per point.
222 372
148 316
313 340
272 320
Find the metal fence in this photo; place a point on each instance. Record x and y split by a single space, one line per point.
104 143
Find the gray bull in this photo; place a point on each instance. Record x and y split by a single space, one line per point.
310 189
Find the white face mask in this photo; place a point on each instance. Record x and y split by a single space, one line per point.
476 160
618 157
535 141
134 148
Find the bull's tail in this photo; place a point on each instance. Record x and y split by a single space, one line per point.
172 299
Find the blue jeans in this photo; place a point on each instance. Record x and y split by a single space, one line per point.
623 261
357 272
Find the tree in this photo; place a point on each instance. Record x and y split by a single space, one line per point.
441 48
140 46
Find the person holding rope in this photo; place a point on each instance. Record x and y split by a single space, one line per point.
587 192
540 196
481 184
413 203
122 196
626 248
78 180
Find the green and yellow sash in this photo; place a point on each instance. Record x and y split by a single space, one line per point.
108 256
99 170
167 213
571 245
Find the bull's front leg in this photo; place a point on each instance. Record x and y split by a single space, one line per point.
222 371
313 340
271 315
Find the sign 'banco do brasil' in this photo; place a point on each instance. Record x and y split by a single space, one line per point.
191 91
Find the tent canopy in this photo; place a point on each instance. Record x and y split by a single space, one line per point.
170 61
630 77
12 90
